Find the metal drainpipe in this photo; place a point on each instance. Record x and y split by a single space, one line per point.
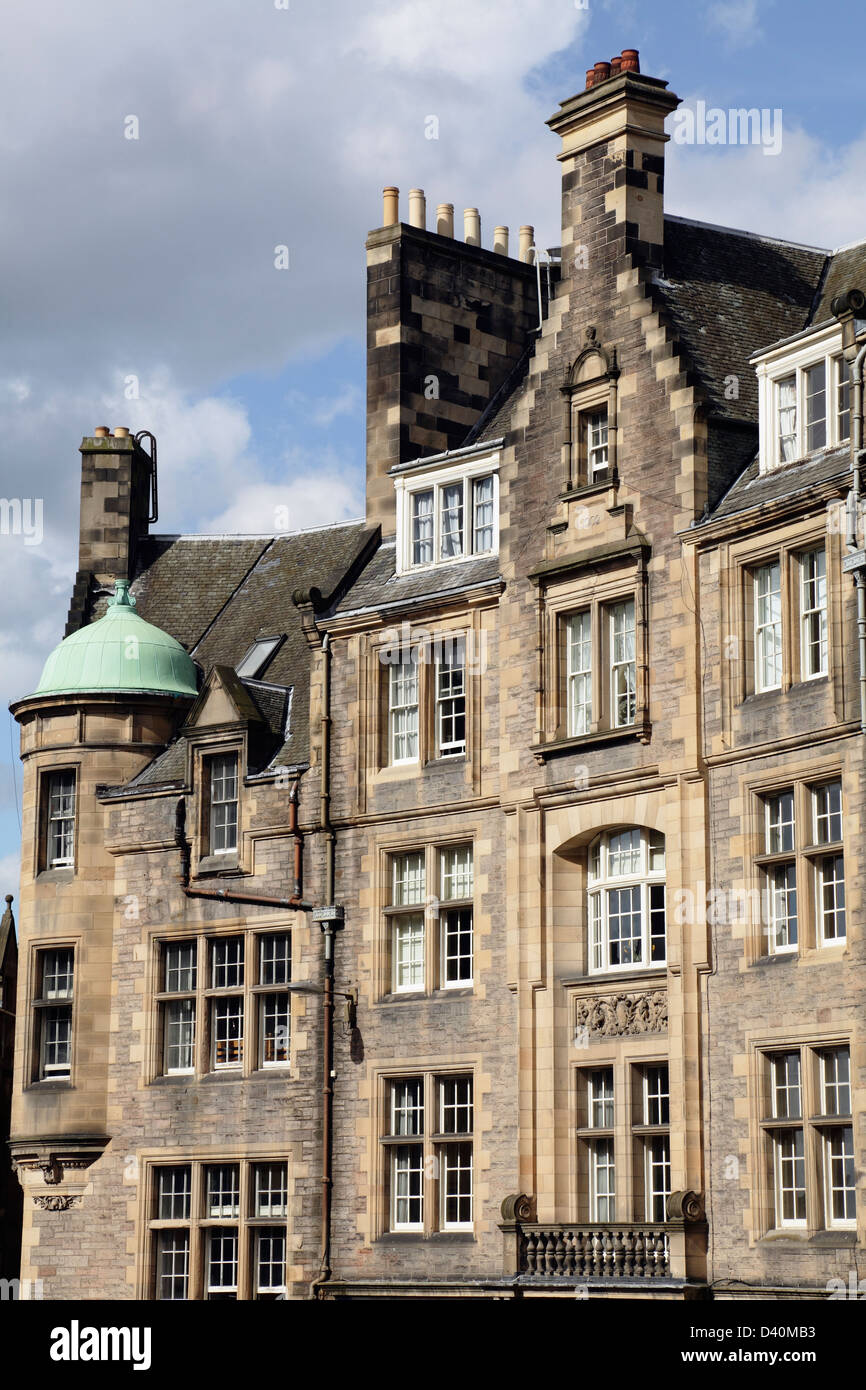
328 1001
854 519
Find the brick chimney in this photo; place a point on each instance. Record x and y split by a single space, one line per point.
613 140
447 320
116 491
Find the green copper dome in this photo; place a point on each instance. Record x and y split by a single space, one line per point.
119 652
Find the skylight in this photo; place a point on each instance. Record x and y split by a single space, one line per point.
251 666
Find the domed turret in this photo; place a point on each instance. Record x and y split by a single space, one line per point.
120 652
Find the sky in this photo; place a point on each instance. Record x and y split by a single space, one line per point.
154 156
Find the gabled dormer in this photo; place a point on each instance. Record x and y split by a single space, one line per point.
447 507
804 397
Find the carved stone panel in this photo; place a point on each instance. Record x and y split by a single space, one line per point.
615 1015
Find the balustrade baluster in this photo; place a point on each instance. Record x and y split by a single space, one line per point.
618 1251
559 1253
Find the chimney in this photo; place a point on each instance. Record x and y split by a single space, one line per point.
116 490
613 139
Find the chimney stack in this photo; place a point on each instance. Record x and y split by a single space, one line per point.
115 510
613 138
525 242
445 219
471 227
500 240
417 208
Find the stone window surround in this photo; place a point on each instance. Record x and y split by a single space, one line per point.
33 1011
419 636
434 985
742 560
251 992
561 600
380 1204
754 790
592 381
40 848
808 1042
198 1159
201 749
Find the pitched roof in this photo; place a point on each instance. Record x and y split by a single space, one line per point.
846 270
729 293
380 587
753 488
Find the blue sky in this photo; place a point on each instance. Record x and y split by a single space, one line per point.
261 126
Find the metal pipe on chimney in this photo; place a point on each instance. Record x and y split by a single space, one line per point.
445 219
417 208
500 241
525 242
390 206
472 226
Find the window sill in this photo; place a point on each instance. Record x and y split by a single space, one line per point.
757 697
49 1084
213 864
616 977
560 746
417 996
593 489
59 875
420 1238
825 1239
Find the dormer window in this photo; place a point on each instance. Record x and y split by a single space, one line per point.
253 663
595 425
224 803
805 400
447 515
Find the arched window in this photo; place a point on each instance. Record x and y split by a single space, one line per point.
627 900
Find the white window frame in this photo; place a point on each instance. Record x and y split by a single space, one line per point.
602 881
846 1133
578 673
217 777
60 824
460 905
404 696
596 443
622 666
451 693
777 364
813 608
768 631
409 484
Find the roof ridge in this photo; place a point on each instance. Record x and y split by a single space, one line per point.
741 231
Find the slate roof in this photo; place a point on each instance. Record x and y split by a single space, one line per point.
380 586
845 270
754 489
729 294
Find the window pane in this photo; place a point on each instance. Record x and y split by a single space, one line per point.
602 1184
781 903
658 1176
579 674
180 967
657 1106
407 1185
813 613
174 1192
456 1105
224 803
836 1081
275 1031
768 627
403 710
275 959
780 823
223 1190
270 1190
451 520
828 813
456 864
786 1086
624 926
623 671
601 1098
657 924
222 1265
451 697
270 1263
227 962
57 1041
787 408
172 1266
409 879
623 855
843 399
840 1176
482 495
456 1178
422 528
790 1178
816 407
456 928
61 819
596 444
228 1032
57 973
179 1038
409 952
407 1107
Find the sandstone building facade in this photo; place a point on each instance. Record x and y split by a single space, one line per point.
466 900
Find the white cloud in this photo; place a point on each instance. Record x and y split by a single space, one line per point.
737 20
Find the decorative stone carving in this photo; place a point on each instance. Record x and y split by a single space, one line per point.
518 1207
613 1015
685 1206
51 1171
58 1203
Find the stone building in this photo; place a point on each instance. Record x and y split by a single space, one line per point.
465 901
